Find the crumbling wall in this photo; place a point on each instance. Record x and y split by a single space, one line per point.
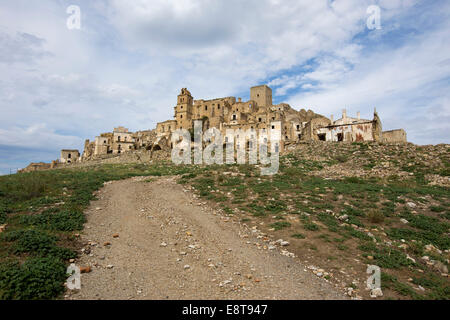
35 166
377 128
89 150
394 136
313 130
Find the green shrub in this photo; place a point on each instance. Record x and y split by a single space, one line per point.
37 243
440 241
37 278
280 225
439 287
437 208
329 221
311 226
391 258
2 217
357 234
355 221
276 206
62 221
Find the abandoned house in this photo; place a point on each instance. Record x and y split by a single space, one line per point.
69 156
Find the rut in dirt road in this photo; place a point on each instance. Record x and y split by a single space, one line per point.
170 246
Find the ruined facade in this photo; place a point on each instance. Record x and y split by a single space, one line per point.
256 114
69 156
116 142
260 113
347 129
253 115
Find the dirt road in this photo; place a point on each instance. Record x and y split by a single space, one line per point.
170 245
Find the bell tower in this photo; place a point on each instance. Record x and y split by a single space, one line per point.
183 110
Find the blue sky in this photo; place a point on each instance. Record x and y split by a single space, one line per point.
129 60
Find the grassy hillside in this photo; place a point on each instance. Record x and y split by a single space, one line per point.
341 207
43 212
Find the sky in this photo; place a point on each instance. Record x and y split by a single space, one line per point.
128 61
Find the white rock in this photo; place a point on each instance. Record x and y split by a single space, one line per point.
186 267
430 247
374 293
404 221
411 204
442 268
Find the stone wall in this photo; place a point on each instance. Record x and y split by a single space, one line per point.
394 136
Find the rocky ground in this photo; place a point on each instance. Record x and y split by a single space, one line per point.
308 232
378 160
154 239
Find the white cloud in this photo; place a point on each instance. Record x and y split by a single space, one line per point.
405 84
37 136
129 60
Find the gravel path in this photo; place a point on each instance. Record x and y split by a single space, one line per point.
166 244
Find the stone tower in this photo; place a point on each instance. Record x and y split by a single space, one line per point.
262 95
183 110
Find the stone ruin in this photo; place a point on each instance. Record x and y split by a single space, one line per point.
258 113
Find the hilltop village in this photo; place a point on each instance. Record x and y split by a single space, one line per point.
256 114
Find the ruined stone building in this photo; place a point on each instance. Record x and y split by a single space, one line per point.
120 140
69 156
258 113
